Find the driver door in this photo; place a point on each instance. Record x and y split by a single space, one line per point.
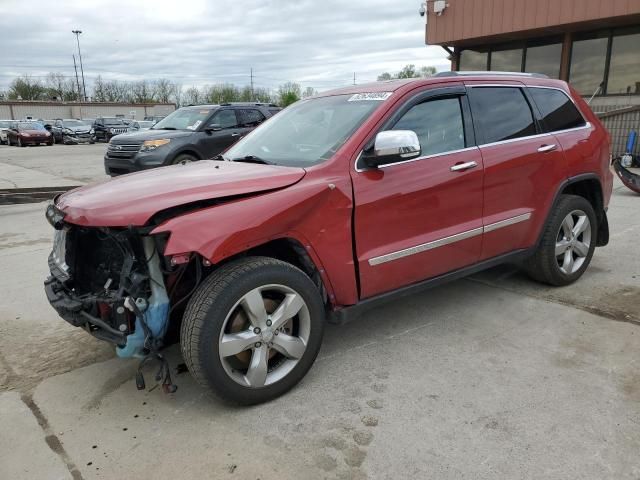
420 218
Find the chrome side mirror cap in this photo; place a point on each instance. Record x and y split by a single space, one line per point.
392 146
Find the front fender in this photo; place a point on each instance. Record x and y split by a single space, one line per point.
316 212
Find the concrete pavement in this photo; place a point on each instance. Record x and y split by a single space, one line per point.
489 377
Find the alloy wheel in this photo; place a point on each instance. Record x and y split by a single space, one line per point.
264 336
573 242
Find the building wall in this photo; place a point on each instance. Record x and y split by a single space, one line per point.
52 110
473 19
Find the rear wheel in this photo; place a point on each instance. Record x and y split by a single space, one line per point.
568 243
253 329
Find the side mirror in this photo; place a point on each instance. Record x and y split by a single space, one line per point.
392 146
214 127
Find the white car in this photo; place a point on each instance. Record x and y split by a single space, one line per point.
4 126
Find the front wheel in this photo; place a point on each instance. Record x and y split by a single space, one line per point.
20 144
252 330
568 243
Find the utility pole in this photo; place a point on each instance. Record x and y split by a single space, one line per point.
75 67
252 95
84 86
354 78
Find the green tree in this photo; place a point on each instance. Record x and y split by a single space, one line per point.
26 88
409 71
289 93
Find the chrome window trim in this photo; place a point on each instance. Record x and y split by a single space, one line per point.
389 257
586 126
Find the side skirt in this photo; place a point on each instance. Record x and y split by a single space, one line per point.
350 313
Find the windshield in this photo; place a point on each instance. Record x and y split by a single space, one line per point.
73 123
184 119
30 126
306 133
113 121
4 124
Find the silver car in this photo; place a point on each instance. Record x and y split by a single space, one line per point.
4 126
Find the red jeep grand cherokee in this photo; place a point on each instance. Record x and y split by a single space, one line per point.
333 205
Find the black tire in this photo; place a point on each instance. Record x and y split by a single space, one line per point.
543 266
20 144
183 158
215 300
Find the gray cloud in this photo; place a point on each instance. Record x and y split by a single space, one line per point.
318 43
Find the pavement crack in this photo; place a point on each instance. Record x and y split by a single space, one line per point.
585 308
51 438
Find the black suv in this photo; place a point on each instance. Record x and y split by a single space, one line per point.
107 127
186 135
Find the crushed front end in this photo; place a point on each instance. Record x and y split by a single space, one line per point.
110 282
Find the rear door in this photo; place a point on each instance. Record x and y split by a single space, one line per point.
522 165
422 217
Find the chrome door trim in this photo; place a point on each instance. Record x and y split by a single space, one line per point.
424 247
389 257
505 223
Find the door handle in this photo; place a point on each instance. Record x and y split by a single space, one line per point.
460 167
547 148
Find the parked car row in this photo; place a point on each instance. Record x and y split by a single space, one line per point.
70 131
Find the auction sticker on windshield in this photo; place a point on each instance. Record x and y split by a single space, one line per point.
370 96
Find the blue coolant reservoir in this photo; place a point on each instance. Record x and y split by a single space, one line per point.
156 313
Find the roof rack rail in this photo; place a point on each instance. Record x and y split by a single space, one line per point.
481 73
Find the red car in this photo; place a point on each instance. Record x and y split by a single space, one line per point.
22 134
337 203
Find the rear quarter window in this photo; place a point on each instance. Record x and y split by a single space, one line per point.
557 109
503 113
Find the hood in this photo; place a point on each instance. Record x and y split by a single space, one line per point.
79 129
141 136
133 199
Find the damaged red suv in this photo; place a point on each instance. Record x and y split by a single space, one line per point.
337 203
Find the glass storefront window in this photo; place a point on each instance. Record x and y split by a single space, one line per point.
473 60
624 70
588 58
506 60
544 59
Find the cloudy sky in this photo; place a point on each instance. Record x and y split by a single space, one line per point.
317 43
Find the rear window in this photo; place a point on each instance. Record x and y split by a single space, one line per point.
502 113
557 109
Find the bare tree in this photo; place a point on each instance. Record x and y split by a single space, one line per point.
164 90
193 96
309 92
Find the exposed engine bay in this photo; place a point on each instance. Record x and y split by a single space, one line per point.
116 285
